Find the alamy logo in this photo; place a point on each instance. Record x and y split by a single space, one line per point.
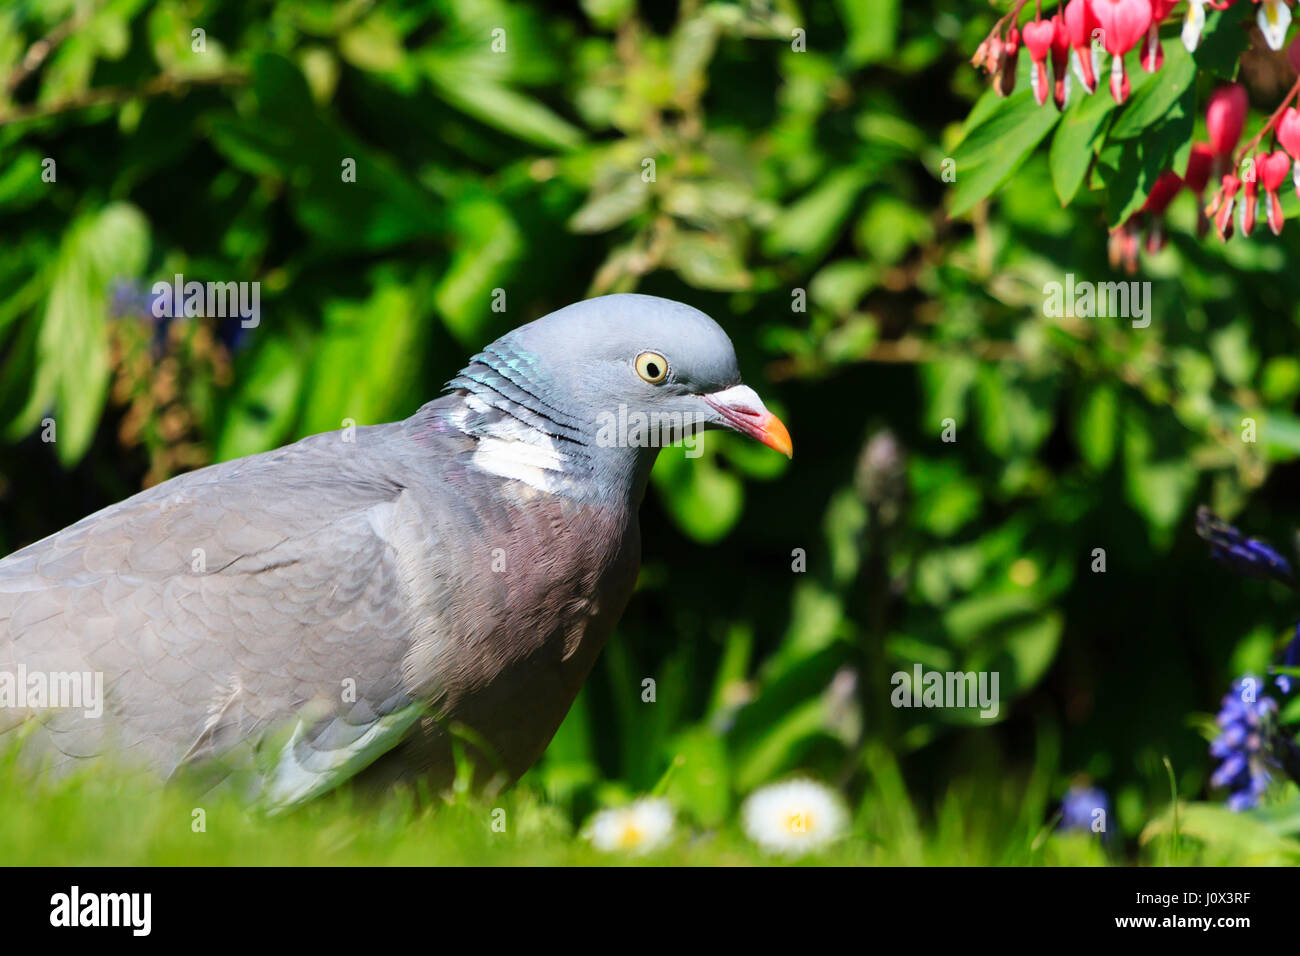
218 300
638 429
1083 300
42 690
923 688
74 908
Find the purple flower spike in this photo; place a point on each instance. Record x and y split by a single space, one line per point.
1247 556
1244 748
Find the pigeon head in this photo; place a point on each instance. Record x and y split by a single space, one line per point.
620 376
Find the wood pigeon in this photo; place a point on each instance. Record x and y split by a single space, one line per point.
371 601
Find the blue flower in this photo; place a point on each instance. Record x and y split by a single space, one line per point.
1247 556
1290 658
1243 746
1079 809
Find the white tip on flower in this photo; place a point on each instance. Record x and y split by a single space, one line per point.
1194 24
639 827
793 818
1274 18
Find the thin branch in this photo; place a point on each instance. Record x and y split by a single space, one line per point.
1272 122
40 51
108 95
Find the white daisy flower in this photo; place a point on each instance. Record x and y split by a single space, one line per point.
794 817
639 827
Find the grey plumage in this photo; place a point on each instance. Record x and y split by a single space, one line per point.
285 621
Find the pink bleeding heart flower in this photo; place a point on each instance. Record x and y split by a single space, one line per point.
993 61
1198 167
1288 131
1123 245
1200 164
1288 134
1272 169
1038 36
1222 204
1123 24
1249 201
1168 185
1006 78
1060 62
1153 54
1080 22
1225 116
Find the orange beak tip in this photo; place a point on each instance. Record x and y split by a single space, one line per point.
775 435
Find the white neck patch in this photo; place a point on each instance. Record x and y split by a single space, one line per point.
510 449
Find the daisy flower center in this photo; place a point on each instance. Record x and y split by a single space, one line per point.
630 836
799 822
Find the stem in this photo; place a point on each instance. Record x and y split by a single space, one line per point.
1013 15
40 51
1272 121
165 83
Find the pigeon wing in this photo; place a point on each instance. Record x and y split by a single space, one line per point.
225 606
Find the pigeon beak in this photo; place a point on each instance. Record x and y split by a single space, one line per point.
740 409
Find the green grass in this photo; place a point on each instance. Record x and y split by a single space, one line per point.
103 817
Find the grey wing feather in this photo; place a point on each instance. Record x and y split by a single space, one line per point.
224 605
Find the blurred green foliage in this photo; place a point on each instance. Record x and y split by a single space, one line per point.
779 166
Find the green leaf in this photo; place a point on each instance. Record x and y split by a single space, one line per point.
992 151
263 411
1278 432
872 26
1222 44
612 205
707 261
889 227
1015 414
72 345
366 362
1141 161
290 138
374 44
700 782
1096 426
808 226
1244 839
513 113
487 243
1159 479
20 180
704 500
1073 145
840 285
1030 646
1158 97
779 746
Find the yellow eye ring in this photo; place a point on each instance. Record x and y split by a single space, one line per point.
652 367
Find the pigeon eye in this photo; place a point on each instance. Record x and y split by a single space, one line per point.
652 367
